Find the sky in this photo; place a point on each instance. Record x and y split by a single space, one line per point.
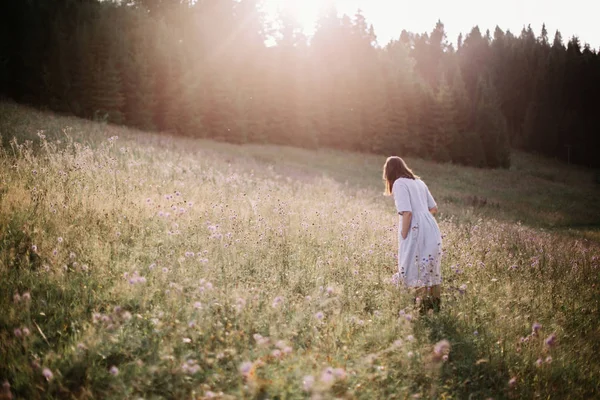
389 17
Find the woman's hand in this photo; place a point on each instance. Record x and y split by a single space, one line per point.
406 220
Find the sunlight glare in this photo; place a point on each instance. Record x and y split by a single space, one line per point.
305 12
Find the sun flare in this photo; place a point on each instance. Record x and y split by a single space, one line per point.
304 12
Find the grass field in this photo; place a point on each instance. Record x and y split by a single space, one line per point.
135 265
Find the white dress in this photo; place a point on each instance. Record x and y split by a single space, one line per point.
420 254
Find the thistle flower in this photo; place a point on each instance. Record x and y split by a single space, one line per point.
535 328
245 368
47 374
550 340
539 362
327 376
512 382
339 373
307 383
34 248
114 371
276 353
319 315
277 301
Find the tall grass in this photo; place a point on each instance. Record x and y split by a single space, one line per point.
146 266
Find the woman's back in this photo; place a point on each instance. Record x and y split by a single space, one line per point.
412 195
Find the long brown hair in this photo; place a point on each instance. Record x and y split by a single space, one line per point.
395 168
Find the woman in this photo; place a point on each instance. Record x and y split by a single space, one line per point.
419 237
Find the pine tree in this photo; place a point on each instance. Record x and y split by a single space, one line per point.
490 124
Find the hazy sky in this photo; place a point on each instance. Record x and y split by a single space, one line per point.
580 17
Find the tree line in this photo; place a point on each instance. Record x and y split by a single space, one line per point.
218 69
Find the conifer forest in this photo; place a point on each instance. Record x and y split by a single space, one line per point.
216 69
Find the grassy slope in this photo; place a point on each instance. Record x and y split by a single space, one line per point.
522 241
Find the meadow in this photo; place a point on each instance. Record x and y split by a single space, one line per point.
138 265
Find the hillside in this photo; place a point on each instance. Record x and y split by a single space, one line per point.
141 265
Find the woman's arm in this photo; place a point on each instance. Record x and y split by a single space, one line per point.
433 210
406 220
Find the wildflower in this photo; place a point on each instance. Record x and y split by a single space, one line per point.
152 266
276 353
72 255
512 382
281 344
307 383
339 373
189 254
47 374
260 339
287 350
410 338
114 371
277 301
210 395
34 248
410 354
26 331
81 346
539 362
548 359
165 270
187 340
551 340
445 357
319 315
60 239
398 343
245 368
408 317
197 305
308 298
17 298
54 252
327 376
240 303
535 328
330 290
476 333
442 347
18 333
463 288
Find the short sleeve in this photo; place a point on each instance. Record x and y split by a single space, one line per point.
430 201
401 197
